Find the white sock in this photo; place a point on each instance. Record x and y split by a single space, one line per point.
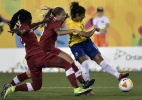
16 80
29 86
85 70
78 73
109 69
69 72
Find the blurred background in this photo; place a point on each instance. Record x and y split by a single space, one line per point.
124 34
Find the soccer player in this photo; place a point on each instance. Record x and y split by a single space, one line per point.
37 59
81 44
52 29
102 22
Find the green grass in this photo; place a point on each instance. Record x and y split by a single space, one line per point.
56 87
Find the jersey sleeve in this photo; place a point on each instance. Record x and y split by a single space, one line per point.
94 21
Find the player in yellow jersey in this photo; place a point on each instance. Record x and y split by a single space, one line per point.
81 44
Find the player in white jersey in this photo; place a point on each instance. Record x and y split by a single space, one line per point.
102 22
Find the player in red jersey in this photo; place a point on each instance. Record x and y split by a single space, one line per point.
52 29
37 59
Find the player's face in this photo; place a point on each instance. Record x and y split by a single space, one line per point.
80 17
61 16
100 14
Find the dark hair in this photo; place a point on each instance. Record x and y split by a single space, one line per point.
21 15
75 8
51 12
100 9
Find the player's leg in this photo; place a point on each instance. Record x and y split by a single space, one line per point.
53 60
20 78
95 55
108 68
78 75
36 76
80 56
75 68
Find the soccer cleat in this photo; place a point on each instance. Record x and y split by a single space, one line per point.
7 89
79 91
91 93
123 75
87 84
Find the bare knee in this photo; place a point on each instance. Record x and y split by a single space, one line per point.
66 57
98 58
28 72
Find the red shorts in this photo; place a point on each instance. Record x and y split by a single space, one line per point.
42 60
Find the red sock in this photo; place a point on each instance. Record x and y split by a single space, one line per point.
69 73
22 87
72 80
20 78
75 68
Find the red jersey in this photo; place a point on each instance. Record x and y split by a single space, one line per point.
29 40
49 36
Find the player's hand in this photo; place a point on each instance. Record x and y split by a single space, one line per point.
76 31
97 29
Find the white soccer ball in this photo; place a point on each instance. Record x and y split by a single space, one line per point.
125 84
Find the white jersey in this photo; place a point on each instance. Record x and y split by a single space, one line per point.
100 22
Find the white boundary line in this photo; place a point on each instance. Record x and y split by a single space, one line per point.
91 87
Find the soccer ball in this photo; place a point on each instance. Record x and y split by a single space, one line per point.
125 84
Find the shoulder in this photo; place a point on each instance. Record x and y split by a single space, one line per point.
24 26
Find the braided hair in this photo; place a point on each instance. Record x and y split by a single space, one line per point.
22 15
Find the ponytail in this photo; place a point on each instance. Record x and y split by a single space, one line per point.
51 12
47 15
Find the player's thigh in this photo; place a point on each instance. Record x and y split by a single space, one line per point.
77 51
56 51
52 60
91 49
36 74
66 56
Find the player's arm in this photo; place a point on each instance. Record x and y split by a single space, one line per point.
64 32
88 34
17 31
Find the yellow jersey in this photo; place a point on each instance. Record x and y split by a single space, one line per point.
74 38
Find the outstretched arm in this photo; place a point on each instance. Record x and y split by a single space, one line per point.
64 32
88 34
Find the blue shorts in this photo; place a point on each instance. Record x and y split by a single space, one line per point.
84 48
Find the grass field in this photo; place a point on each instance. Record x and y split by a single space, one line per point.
56 87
